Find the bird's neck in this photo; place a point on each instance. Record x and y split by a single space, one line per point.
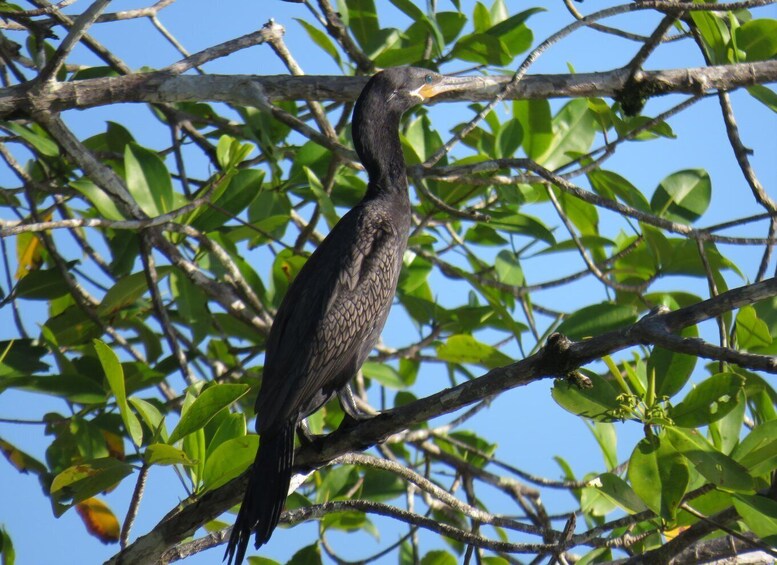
376 138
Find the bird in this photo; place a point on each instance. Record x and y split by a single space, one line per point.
334 310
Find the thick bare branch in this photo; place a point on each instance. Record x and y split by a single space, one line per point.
160 86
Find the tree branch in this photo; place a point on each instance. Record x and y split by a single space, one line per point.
163 86
557 358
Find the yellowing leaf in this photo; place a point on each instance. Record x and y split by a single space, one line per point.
29 252
83 481
20 460
99 520
674 532
115 444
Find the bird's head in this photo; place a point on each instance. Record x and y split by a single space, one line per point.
401 88
388 95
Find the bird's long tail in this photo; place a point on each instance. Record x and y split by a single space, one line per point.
267 489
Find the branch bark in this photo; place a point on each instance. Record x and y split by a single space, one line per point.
21 101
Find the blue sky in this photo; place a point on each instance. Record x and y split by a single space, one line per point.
528 426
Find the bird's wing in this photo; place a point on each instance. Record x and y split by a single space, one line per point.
330 317
356 310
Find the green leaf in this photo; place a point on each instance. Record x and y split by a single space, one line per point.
420 139
72 327
115 376
597 319
534 116
414 275
605 435
583 215
35 136
105 205
19 357
210 401
194 447
450 24
659 475
599 403
509 138
269 212
477 444
574 129
350 521
466 349
494 560
311 554
253 559
321 39
192 304
510 221
758 450
148 180
230 152
232 426
363 21
42 284
7 552
752 332
128 290
683 196
240 191
613 186
229 460
708 402
336 481
726 432
714 33
719 469
116 135
513 33
382 486
618 492
438 557
593 502
758 38
508 269
418 16
79 482
75 388
671 370
162 454
760 515
384 374
482 48
686 260
150 415
323 199
764 95
481 18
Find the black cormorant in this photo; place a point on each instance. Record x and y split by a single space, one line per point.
335 309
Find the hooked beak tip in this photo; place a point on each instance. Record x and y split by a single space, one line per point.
447 84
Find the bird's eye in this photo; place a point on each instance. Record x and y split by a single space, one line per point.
428 79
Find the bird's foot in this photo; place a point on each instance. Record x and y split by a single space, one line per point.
353 412
351 419
306 437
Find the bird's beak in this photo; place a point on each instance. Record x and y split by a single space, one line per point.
448 84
